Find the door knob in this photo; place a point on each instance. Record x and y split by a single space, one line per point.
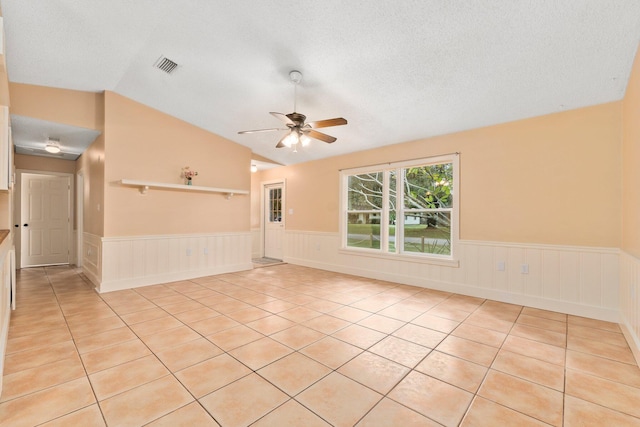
26 225
17 225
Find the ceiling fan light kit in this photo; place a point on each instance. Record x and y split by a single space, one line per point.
300 133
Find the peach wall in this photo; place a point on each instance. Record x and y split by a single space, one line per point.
92 165
554 179
70 107
631 162
145 144
47 164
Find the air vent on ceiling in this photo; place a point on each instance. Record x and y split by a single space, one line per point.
165 64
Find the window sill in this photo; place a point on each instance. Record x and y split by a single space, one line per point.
406 258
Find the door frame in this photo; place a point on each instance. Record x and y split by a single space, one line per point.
17 239
79 218
263 194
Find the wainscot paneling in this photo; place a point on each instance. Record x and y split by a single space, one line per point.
256 243
133 261
629 300
92 258
583 281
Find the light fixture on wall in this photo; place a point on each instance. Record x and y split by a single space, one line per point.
52 146
254 168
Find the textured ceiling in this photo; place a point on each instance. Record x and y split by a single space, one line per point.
397 70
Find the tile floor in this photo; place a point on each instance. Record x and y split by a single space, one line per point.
292 346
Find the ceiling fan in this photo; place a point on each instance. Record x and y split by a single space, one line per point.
299 131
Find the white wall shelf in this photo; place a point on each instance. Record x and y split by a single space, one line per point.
146 185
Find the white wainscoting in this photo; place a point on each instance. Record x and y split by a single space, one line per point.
133 261
256 243
92 258
629 300
578 280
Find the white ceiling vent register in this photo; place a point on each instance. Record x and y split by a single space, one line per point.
165 64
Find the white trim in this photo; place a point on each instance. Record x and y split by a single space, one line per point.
172 236
568 248
632 339
146 185
79 217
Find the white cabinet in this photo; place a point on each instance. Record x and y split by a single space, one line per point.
6 149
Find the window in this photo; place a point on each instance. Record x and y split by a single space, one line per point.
402 209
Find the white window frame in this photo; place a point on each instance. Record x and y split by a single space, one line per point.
399 253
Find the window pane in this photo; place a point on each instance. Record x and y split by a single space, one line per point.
392 211
363 230
428 232
428 187
275 205
365 192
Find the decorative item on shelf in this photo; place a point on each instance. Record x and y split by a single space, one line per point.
188 175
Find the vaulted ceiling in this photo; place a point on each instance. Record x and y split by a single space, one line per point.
396 70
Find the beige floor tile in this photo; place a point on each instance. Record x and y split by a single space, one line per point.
546 314
45 405
598 335
388 413
374 371
542 323
350 314
109 357
401 351
183 356
417 334
523 396
604 368
616 396
331 352
277 306
180 307
299 314
92 328
191 415
537 350
192 316
29 359
270 324
146 403
601 349
291 414
382 324
244 401
326 324
400 312
44 376
580 413
528 368
323 306
260 353
434 322
124 377
144 316
326 398
30 342
541 335
468 350
443 403
453 370
479 334
359 336
104 339
171 338
594 323
294 373
298 336
212 374
248 314
213 325
89 416
485 413
234 337
155 326
489 321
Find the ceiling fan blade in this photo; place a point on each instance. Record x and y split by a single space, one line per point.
319 135
283 117
280 143
338 121
261 130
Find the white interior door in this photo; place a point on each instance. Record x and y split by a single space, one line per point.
45 220
273 220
